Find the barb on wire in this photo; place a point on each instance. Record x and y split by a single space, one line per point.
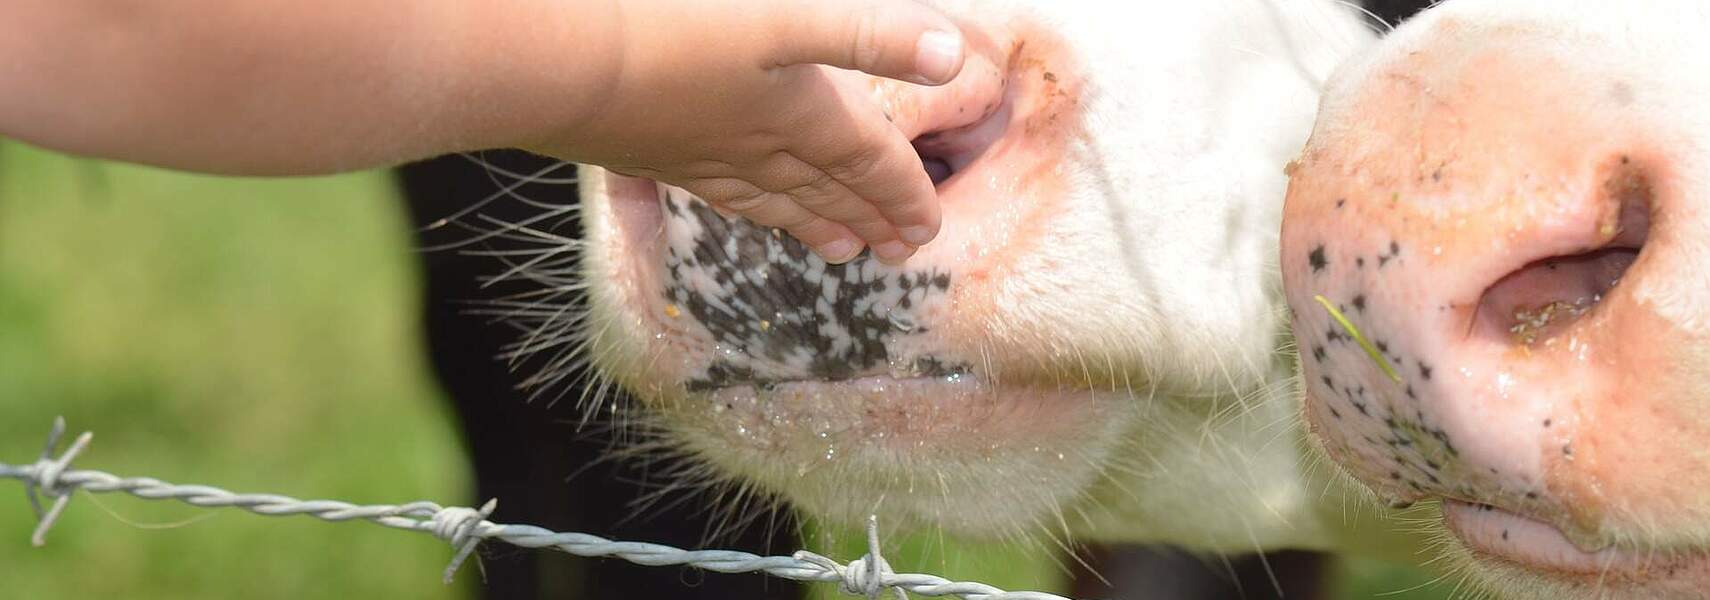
465 528
47 472
864 576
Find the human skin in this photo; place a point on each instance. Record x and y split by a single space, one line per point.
729 100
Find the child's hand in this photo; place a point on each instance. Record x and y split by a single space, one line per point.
726 99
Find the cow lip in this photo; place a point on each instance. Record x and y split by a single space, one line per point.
891 414
952 377
918 368
1494 533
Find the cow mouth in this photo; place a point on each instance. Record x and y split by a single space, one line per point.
1492 533
874 390
758 344
750 307
774 365
700 301
922 369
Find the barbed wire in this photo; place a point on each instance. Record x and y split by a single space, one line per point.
465 528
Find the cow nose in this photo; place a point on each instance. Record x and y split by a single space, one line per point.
1461 245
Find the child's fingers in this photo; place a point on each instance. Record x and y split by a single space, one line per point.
818 191
832 241
896 39
891 178
862 152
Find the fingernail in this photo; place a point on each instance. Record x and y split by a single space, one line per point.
892 252
916 235
839 251
936 55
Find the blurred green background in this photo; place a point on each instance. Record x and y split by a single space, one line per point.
260 335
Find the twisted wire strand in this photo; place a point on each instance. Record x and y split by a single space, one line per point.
50 477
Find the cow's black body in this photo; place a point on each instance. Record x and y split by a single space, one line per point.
526 453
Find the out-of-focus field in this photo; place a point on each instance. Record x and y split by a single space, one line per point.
257 335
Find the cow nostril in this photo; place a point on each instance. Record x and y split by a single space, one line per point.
937 168
946 152
1545 297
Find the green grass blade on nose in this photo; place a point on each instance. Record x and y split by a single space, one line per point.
1359 338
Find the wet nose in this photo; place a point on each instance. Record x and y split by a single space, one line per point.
1466 246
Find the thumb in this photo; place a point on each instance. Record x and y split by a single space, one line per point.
895 39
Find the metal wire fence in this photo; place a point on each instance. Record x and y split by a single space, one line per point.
50 478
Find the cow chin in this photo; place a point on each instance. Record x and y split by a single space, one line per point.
924 453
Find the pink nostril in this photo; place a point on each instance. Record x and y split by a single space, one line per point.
1546 297
945 152
937 169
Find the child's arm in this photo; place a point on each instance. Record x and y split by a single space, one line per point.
701 94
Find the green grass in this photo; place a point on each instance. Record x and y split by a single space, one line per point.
258 335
